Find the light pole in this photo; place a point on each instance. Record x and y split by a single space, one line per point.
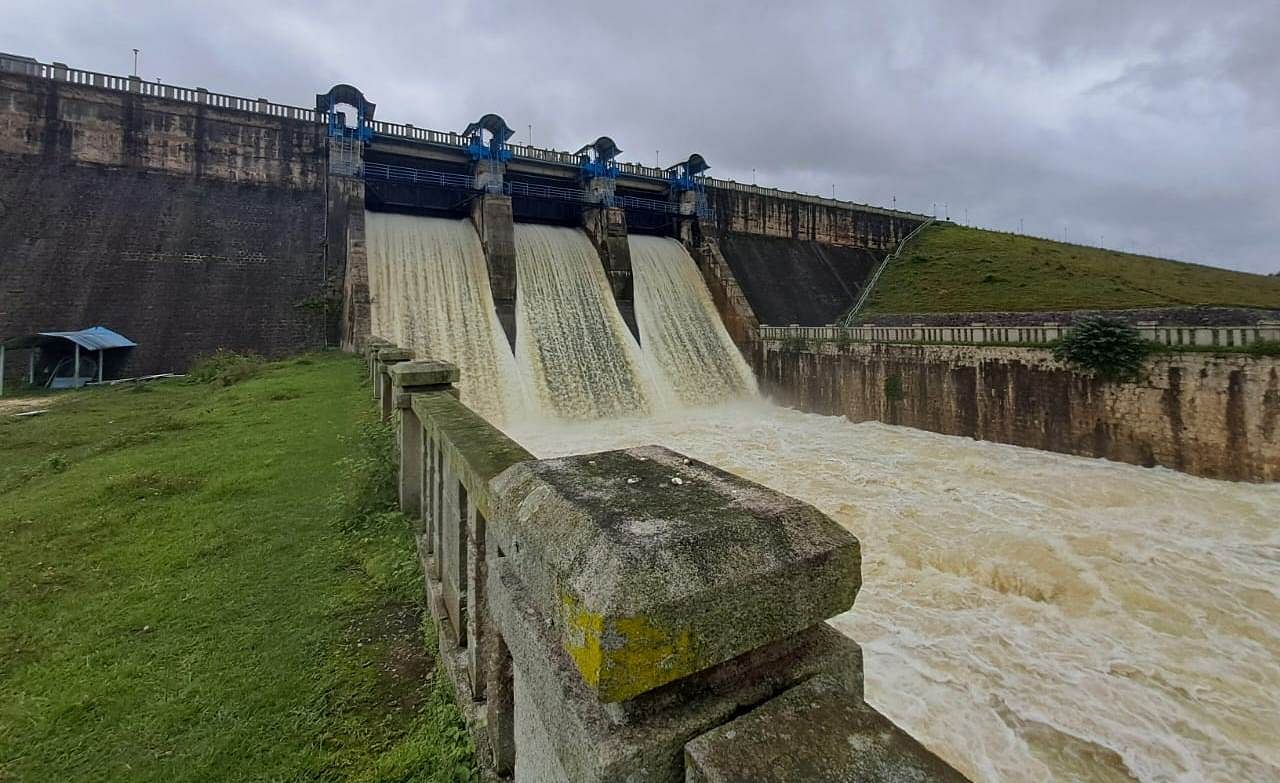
135 62
531 134
753 176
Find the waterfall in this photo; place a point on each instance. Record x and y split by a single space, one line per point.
429 287
680 331
571 343
574 357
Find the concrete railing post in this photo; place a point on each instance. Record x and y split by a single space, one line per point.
647 600
374 345
387 357
408 378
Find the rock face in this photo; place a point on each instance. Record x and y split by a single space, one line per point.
1215 415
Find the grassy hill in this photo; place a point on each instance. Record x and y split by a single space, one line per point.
948 268
202 582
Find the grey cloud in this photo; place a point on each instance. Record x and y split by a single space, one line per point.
1153 124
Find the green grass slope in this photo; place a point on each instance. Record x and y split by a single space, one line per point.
206 582
948 268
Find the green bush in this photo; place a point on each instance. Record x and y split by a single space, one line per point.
795 345
893 391
225 368
1107 347
1263 348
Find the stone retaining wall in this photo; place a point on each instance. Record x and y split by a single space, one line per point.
1214 415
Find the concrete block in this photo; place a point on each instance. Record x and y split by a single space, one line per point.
642 739
535 757
477 572
411 466
652 567
816 732
452 554
422 372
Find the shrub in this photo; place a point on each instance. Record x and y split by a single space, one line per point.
224 368
1263 348
795 345
893 391
1107 347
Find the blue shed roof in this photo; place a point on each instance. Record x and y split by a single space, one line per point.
95 338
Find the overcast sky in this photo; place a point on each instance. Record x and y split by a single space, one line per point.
1153 126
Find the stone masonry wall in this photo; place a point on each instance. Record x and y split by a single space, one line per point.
1214 415
184 227
765 212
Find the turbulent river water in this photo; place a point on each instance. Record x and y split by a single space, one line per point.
1026 615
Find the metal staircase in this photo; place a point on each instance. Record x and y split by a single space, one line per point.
848 318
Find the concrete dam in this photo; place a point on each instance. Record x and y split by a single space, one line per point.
1023 614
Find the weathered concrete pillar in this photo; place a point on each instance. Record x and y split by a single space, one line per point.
688 230
346 261
491 214
607 229
646 598
735 311
407 378
371 348
386 358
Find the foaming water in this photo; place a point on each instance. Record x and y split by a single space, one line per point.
429 287
572 345
1027 615
680 330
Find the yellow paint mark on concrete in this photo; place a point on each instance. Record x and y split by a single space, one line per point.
638 656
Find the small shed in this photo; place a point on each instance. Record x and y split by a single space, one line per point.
67 360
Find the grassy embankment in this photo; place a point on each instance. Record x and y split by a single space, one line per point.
949 268
205 582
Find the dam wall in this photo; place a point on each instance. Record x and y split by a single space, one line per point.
800 259
748 209
1215 415
798 281
183 224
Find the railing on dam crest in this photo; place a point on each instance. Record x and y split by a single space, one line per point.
634 614
64 74
1225 336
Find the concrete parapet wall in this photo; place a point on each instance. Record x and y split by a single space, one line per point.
747 209
605 617
1229 335
74 123
1214 415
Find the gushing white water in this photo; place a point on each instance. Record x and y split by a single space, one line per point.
680 331
429 287
1027 615
571 342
